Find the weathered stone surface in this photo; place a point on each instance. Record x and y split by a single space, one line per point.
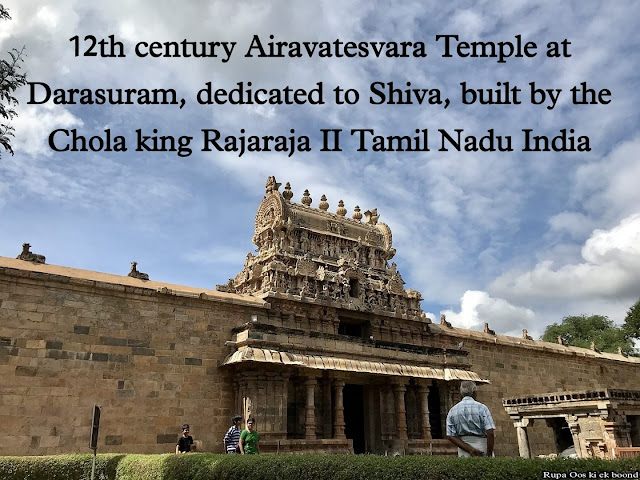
143 351
168 438
53 344
21 371
113 440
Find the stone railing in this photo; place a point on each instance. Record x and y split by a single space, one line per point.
626 452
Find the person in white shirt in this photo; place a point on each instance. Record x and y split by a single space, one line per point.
470 426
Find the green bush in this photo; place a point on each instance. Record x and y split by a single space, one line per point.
59 467
303 467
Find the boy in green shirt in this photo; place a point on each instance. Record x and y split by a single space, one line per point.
249 438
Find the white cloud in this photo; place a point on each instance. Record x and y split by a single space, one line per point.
478 307
619 246
575 224
36 122
610 270
608 187
467 23
47 17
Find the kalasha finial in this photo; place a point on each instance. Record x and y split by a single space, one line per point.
356 213
341 210
306 198
323 205
287 194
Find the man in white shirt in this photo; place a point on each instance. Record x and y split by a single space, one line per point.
470 426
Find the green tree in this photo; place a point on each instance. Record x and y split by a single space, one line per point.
631 324
10 81
580 331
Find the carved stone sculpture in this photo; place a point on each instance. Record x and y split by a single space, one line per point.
27 256
323 256
135 273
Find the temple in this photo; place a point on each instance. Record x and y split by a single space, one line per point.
316 337
343 338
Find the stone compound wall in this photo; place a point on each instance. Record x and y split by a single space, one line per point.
150 359
520 367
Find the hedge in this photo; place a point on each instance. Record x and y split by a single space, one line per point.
313 467
59 467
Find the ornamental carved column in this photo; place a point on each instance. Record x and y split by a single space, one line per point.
523 438
338 411
423 391
310 409
282 398
401 413
249 397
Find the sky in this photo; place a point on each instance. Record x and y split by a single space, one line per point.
517 239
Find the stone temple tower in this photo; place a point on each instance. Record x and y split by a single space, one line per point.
319 255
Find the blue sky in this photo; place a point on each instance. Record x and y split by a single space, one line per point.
517 239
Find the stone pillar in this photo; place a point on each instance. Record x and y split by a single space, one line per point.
237 398
282 398
249 399
453 394
401 413
523 438
338 410
269 411
335 324
423 391
327 408
310 409
574 428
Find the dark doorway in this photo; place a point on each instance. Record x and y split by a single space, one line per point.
435 415
634 420
353 401
562 434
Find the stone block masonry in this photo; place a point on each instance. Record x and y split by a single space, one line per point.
67 342
70 338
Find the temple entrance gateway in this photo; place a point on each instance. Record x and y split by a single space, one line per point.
354 414
343 359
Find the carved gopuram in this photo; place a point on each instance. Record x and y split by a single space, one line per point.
316 337
342 359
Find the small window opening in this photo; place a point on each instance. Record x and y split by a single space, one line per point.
354 288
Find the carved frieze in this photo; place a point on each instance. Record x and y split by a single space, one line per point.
270 213
323 256
305 267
